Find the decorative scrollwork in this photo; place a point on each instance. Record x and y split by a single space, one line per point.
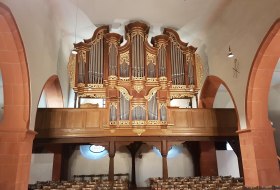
150 58
124 92
114 104
153 122
181 95
138 105
199 70
161 104
112 77
181 87
152 92
72 69
92 95
138 122
125 79
152 79
124 122
139 131
95 85
124 57
138 87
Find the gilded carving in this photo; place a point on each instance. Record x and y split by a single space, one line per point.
153 122
138 78
124 122
138 131
161 104
112 77
181 95
152 79
124 57
114 104
199 70
92 95
95 85
138 87
125 79
72 69
152 92
150 58
138 105
124 92
138 122
113 122
181 87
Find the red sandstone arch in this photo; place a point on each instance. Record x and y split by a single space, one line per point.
209 91
52 90
16 139
14 73
261 166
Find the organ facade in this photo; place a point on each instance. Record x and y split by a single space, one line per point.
137 80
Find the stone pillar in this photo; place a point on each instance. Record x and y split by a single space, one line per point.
259 157
112 151
15 156
164 159
208 159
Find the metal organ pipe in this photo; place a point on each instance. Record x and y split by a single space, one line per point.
101 61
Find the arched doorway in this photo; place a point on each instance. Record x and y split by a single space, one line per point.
257 142
16 139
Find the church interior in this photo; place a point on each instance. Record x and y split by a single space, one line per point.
131 94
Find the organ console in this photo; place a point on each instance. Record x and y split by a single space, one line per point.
138 79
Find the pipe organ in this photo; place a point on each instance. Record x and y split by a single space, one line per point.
138 79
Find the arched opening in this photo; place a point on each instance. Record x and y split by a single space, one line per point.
262 166
16 139
51 95
216 94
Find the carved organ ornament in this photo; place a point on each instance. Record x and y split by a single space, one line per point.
138 80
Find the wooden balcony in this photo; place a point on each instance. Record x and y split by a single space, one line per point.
83 122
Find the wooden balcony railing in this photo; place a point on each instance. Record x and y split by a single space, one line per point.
94 122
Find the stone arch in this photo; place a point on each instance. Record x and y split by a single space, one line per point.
14 73
53 92
261 166
16 139
209 91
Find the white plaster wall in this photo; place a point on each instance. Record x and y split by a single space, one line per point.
227 163
150 165
41 168
79 165
222 98
242 25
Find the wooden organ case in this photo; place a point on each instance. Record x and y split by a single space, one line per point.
137 80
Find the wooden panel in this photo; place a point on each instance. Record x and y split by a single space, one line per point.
93 119
63 122
198 119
